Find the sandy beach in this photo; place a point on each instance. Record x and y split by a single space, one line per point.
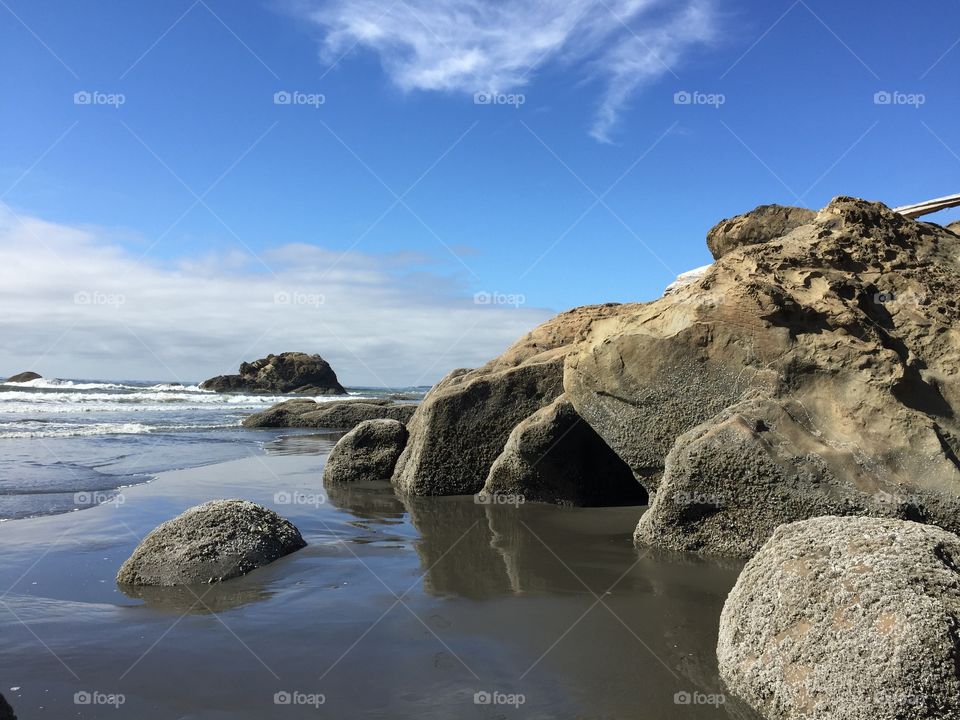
394 609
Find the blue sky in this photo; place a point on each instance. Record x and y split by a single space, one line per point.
181 215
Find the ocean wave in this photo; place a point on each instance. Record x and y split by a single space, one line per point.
48 429
56 384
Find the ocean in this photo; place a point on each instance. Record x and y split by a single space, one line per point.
67 445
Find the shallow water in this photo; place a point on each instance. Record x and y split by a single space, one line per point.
396 609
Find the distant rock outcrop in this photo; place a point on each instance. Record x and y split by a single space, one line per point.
287 373
23 377
847 619
760 225
333 415
368 452
216 541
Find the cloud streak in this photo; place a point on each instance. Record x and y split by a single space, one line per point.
73 303
491 46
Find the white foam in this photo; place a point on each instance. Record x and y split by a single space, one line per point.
51 429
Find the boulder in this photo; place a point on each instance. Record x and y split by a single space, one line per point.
842 618
6 712
732 480
554 456
212 542
289 372
954 227
368 452
760 225
462 424
335 414
822 332
23 377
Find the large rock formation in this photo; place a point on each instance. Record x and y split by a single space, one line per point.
837 345
219 540
464 421
760 225
368 452
555 456
847 619
289 372
23 377
335 415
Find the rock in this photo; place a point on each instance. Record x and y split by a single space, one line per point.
368 452
212 542
554 456
731 481
463 423
845 321
289 372
23 377
760 225
6 712
847 619
335 415
954 227
686 278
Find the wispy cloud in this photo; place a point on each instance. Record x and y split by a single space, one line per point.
494 46
73 303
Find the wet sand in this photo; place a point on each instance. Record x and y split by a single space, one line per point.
397 608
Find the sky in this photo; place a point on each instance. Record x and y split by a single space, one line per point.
407 186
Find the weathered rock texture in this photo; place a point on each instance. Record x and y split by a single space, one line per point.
290 372
554 456
219 540
24 377
335 415
816 372
464 421
765 223
847 619
368 452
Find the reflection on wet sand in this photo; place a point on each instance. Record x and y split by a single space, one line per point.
200 599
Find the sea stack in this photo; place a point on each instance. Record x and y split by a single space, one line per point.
293 373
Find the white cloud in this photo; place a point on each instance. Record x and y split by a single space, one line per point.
75 304
494 46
